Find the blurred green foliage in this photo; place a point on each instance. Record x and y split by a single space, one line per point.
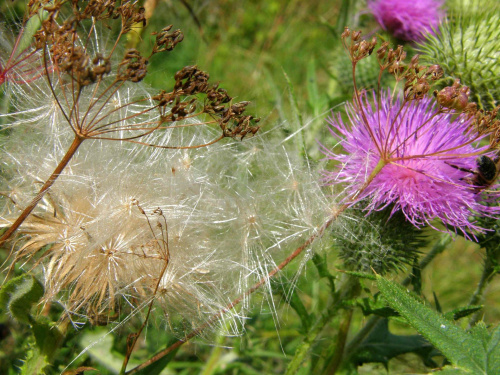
279 55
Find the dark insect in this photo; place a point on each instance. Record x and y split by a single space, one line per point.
486 173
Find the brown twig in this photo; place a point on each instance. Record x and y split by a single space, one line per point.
235 302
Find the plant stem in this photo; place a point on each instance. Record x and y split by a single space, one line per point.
238 300
318 234
488 273
349 288
46 186
437 249
338 354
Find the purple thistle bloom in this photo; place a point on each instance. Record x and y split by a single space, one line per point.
407 20
422 151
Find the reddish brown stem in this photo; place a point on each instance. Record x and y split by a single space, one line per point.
234 303
62 164
319 233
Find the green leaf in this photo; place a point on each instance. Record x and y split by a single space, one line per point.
448 370
462 349
295 302
461 312
157 367
381 345
493 352
320 263
34 363
30 29
47 336
373 306
362 275
18 295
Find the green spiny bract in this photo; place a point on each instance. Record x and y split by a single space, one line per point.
467 47
379 242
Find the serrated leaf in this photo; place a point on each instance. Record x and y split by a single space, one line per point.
461 312
34 363
493 351
18 295
460 348
381 345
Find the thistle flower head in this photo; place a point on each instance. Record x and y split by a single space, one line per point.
407 20
382 242
468 48
426 157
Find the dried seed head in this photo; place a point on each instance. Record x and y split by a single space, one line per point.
454 97
135 67
166 41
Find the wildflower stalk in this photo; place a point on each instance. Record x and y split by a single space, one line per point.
489 271
349 289
46 186
338 354
318 234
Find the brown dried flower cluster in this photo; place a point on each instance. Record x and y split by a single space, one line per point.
418 80
95 90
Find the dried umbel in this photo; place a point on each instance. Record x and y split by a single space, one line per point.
96 89
87 80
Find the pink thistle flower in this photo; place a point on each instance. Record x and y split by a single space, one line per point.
425 157
407 20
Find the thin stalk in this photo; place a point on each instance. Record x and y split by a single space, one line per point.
318 234
488 273
46 186
336 360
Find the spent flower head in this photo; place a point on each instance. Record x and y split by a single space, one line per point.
407 20
124 225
